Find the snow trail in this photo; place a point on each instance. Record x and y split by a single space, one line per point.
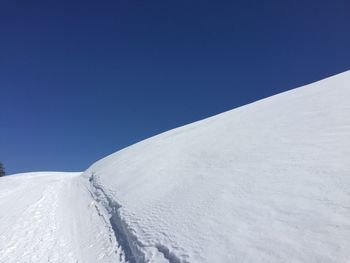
132 250
50 217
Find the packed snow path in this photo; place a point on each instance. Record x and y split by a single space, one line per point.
62 217
51 217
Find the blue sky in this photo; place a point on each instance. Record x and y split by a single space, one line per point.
82 79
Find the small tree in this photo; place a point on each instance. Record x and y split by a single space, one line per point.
2 170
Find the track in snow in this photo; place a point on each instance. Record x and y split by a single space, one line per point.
61 217
130 249
50 217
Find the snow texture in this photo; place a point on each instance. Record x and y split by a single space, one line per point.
51 217
266 182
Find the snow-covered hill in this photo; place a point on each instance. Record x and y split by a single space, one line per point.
267 182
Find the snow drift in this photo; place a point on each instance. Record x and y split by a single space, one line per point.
266 182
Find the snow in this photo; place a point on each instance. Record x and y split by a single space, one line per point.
51 217
266 182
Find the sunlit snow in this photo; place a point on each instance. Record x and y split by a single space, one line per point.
266 182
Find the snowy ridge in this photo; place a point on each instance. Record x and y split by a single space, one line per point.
266 182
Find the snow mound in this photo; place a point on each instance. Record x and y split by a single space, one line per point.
266 182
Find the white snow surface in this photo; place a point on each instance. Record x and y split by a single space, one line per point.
266 182
51 217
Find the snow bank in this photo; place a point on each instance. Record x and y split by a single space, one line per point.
267 182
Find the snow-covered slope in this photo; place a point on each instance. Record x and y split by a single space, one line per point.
267 182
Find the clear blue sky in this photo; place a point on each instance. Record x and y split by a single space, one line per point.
82 79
